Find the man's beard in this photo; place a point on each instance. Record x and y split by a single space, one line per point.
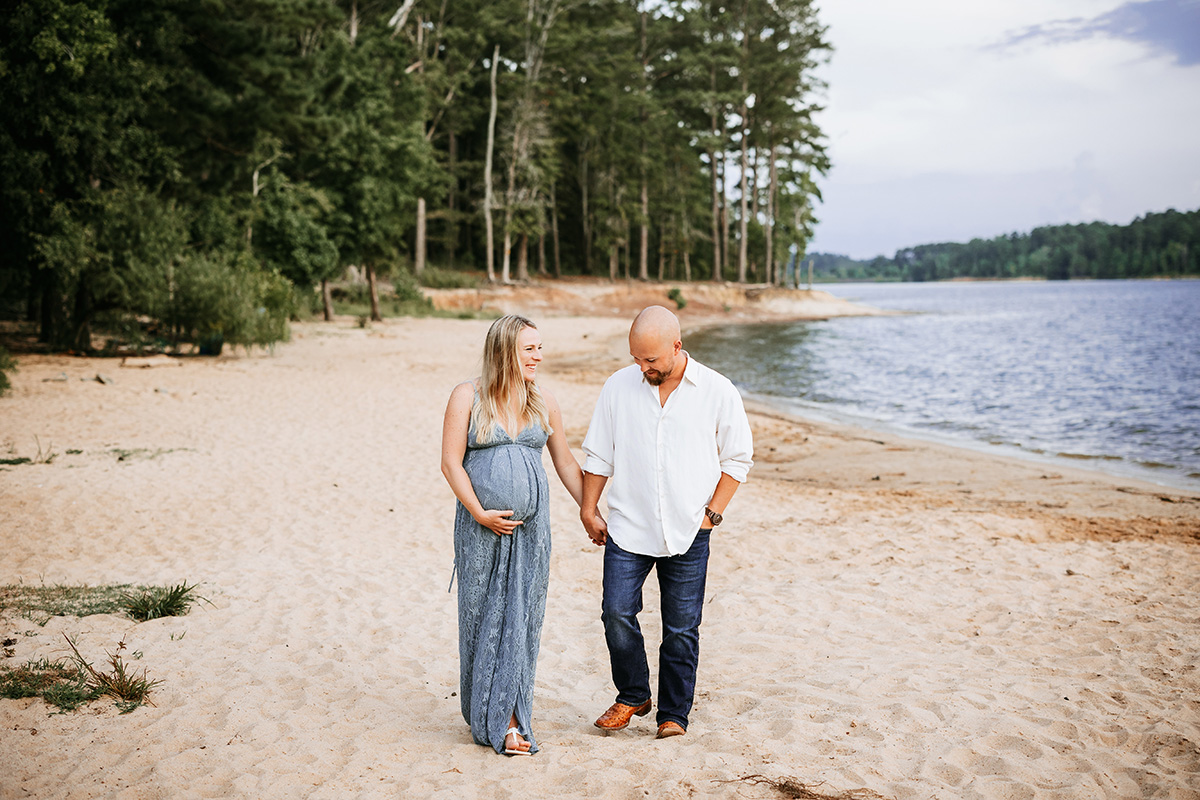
656 378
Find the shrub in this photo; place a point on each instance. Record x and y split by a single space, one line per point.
677 295
222 300
436 278
407 290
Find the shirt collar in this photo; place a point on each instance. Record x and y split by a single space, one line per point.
691 372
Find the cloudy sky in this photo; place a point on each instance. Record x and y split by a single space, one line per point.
954 119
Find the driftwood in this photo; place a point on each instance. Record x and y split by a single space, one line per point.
146 362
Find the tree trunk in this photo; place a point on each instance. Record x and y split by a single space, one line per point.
81 319
716 217
744 206
451 198
628 248
754 184
510 197
554 230
506 258
587 217
541 253
487 176
613 262
644 244
687 247
725 211
772 269
375 315
419 259
523 259
49 306
744 163
327 299
353 21
674 263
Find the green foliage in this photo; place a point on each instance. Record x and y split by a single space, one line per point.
60 683
180 171
436 278
1157 245
676 295
291 236
7 364
40 604
160 601
227 297
403 298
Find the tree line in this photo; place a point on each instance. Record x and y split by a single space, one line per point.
1156 245
203 167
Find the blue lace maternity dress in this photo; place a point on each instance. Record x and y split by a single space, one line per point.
502 583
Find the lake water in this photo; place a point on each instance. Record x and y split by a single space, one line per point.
1105 374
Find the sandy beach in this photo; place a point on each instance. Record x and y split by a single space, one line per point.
895 616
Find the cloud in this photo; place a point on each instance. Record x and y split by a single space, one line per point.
1166 26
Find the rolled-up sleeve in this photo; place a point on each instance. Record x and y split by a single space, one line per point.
735 443
598 444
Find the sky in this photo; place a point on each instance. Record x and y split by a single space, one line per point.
948 120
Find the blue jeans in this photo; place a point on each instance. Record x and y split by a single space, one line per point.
681 588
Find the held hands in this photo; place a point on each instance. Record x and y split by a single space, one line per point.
596 527
498 521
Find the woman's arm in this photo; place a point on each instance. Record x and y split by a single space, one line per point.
560 452
454 447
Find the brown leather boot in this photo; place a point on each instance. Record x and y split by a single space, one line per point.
669 729
619 714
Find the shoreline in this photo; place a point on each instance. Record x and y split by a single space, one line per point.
882 613
703 304
1120 468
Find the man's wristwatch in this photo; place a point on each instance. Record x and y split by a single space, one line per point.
713 516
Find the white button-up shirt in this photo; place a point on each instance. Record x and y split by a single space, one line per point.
664 461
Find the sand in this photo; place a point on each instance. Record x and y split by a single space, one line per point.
895 616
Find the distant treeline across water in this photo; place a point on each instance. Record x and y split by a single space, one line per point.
1156 245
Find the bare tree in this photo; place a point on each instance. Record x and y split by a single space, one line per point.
487 175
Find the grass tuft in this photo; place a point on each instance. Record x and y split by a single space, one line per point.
126 686
40 604
59 683
160 601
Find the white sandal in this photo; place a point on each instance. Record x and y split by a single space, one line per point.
509 752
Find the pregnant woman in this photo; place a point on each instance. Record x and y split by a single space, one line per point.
492 440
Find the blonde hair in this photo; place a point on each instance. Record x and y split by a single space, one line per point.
501 381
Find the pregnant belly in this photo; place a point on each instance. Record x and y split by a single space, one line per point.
505 478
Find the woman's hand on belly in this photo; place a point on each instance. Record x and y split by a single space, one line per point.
498 521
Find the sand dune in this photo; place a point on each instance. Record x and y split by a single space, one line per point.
955 629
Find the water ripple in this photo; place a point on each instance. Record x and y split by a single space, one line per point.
1103 372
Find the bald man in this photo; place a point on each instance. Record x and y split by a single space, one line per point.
672 437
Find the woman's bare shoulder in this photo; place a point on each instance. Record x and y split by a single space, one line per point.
464 392
548 396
